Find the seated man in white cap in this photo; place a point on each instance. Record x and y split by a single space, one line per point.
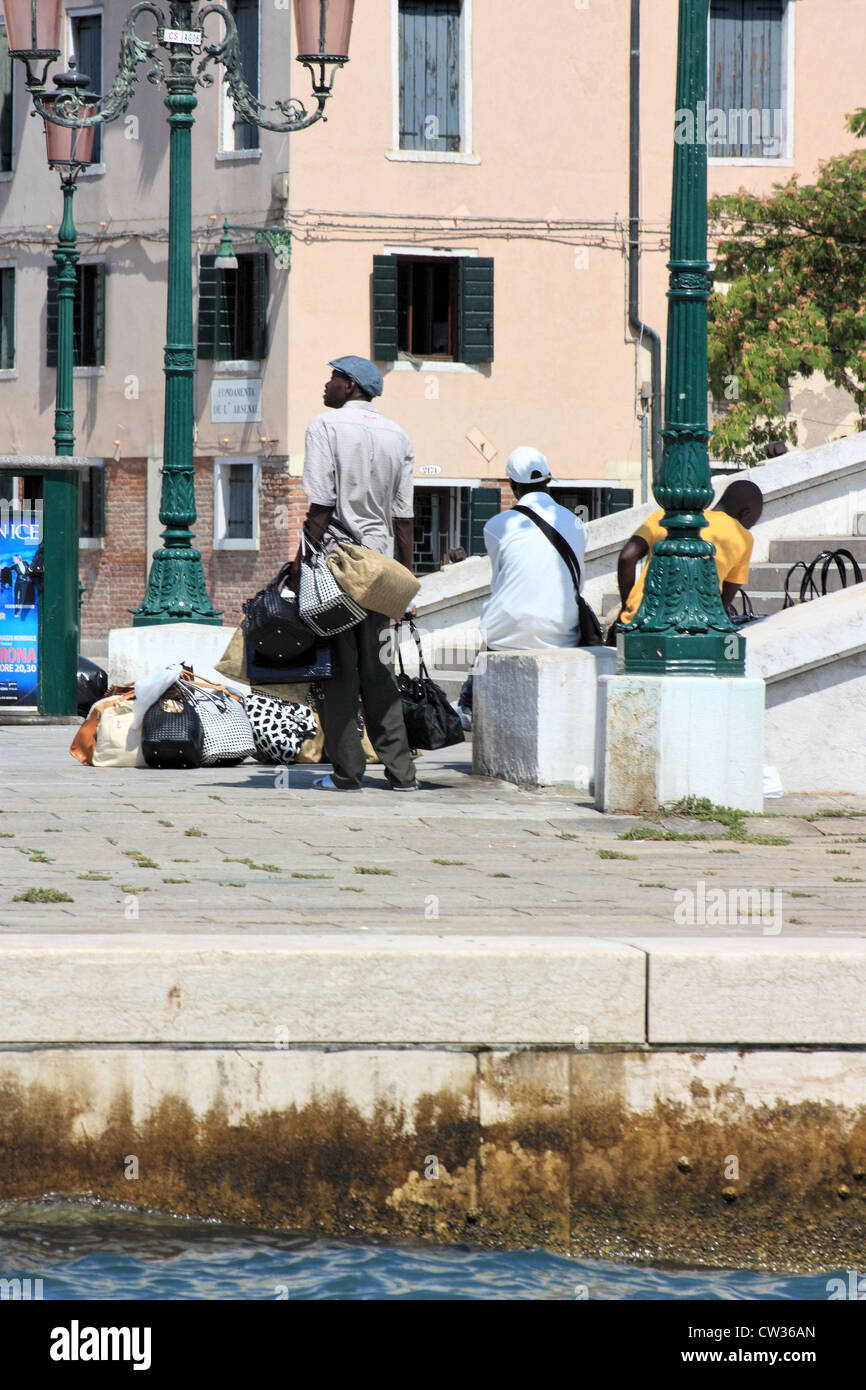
532 597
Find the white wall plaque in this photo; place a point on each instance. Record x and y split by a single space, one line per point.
236 400
429 470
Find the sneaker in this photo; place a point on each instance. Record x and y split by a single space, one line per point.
327 784
412 787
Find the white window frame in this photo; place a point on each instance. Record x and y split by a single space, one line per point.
6 174
226 149
412 364
220 503
786 158
11 373
99 80
464 155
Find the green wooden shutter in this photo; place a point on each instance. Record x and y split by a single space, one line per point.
385 308
208 290
429 58
98 272
97 501
246 17
616 499
475 309
6 100
259 309
51 319
484 502
7 317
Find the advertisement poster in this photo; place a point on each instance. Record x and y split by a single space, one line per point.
19 541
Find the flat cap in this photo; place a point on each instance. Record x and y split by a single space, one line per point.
362 371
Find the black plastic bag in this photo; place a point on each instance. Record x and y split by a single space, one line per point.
91 684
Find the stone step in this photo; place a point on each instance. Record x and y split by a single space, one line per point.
782 551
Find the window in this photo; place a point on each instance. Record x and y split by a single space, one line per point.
7 318
7 99
88 327
433 307
236 504
429 44
85 46
747 107
91 523
236 133
233 309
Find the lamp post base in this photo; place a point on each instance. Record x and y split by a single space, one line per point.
176 591
663 738
710 653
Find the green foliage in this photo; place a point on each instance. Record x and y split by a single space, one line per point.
795 261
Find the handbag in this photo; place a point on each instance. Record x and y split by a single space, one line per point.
747 612
279 727
273 623
227 732
171 732
431 720
83 746
313 665
118 742
589 627
379 583
321 602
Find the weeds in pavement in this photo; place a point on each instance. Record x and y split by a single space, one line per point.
132 888
176 880
43 895
94 876
352 890
142 861
312 875
842 878
251 864
614 854
366 869
194 830
169 823
461 862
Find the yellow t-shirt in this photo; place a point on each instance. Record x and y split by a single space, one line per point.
733 550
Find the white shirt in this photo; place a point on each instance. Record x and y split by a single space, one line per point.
532 601
360 463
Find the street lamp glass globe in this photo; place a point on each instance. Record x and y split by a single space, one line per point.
33 25
323 28
70 144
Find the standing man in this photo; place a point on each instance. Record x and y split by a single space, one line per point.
532 600
358 480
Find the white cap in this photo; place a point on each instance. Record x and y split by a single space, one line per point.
527 465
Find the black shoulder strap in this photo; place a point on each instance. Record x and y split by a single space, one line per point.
558 541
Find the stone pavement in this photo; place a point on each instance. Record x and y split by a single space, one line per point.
229 850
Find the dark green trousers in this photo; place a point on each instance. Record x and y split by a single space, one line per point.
362 669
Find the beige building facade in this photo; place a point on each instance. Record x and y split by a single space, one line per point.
462 216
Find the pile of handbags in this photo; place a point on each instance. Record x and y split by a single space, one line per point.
175 719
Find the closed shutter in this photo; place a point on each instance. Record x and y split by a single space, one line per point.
385 308
6 100
484 502
745 77
246 17
475 309
97 501
51 318
87 45
7 318
430 75
616 499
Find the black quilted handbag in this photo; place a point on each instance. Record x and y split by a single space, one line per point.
313 665
273 625
171 732
431 721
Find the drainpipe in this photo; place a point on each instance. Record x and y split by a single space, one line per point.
646 336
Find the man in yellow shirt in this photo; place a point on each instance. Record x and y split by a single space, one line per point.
728 526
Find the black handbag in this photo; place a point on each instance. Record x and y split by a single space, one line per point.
809 584
91 683
431 721
171 732
747 612
589 627
273 623
313 665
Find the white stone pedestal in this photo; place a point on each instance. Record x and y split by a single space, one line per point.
133 651
661 738
534 715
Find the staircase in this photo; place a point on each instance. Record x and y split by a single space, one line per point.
766 586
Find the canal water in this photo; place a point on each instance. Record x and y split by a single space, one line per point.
90 1250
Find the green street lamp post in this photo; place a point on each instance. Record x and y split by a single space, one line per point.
69 151
176 589
681 627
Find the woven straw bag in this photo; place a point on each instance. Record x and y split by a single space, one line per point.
377 582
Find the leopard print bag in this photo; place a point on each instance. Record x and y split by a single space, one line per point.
279 727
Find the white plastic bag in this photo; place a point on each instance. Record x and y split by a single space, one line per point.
149 688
